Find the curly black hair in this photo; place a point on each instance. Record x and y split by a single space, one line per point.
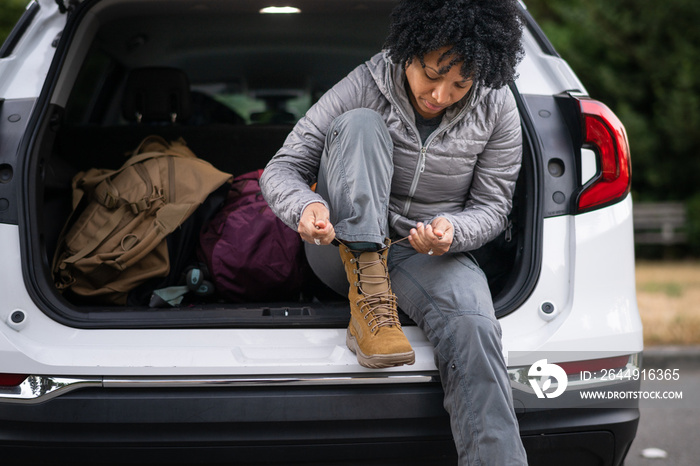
484 35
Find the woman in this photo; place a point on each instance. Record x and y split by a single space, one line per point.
416 154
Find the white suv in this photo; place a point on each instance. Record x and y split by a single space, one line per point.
273 382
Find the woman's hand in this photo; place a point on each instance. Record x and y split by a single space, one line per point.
315 226
433 239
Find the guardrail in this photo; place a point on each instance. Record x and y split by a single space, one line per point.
660 223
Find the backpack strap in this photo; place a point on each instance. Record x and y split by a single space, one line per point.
100 236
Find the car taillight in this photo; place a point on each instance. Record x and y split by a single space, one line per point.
11 380
594 365
604 133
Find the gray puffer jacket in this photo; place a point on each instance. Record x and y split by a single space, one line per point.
465 171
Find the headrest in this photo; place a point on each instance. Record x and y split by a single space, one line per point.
157 94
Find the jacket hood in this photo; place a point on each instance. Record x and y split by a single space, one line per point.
390 79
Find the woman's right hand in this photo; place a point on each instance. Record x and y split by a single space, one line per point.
315 226
433 239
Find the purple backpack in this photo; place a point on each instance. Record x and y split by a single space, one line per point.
250 254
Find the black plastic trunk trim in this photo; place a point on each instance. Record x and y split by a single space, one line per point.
558 152
14 116
528 261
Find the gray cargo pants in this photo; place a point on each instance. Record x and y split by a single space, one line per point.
447 296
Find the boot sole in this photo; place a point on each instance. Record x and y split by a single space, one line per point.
378 361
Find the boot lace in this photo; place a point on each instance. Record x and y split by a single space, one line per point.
378 307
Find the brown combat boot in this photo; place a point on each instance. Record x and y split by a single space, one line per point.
374 333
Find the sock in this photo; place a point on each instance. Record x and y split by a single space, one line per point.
364 246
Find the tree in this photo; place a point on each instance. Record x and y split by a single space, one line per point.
642 58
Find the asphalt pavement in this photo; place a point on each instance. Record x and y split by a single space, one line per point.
668 429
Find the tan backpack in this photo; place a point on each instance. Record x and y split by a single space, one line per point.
115 239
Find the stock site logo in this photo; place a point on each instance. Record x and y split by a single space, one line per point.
543 372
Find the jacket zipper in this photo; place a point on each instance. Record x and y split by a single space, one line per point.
424 148
421 165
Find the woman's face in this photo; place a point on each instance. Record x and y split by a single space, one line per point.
431 92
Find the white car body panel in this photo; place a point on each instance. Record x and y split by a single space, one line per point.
543 74
24 77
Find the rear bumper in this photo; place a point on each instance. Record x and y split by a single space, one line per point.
578 437
371 423
251 425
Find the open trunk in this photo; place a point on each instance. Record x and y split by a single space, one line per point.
252 76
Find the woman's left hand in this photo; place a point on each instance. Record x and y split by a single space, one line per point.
434 239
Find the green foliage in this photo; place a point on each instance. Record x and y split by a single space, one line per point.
10 11
642 58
